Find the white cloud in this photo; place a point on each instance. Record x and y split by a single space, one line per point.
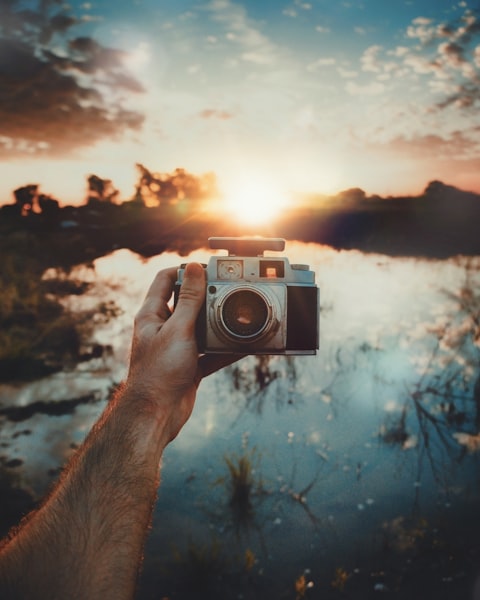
320 63
303 5
346 73
399 51
91 19
322 29
254 45
442 87
421 29
219 4
370 59
419 64
292 11
258 58
476 56
452 54
371 89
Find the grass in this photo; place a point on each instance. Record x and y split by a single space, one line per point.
242 485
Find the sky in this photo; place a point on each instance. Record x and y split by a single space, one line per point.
304 96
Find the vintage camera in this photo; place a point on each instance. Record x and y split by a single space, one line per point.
256 304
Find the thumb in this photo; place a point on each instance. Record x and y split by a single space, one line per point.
191 296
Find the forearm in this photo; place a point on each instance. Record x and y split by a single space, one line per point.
87 539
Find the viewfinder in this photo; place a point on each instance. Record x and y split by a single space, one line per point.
272 269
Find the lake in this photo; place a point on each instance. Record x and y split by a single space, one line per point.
352 473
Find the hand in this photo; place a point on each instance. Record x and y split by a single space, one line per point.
165 369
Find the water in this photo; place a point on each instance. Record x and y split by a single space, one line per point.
362 457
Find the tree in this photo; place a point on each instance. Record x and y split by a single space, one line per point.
159 189
440 413
101 190
25 198
49 207
352 196
437 189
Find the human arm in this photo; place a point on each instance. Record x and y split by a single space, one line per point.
86 540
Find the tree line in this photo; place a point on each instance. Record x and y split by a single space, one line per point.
152 189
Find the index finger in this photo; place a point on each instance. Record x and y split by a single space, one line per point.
158 295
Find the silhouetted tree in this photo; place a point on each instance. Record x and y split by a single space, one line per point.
158 189
25 198
137 200
101 190
49 207
435 189
440 413
352 196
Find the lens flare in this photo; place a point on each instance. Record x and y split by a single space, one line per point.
254 199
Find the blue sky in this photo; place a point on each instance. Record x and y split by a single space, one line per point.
311 95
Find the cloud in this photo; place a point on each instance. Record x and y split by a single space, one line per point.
452 53
58 92
445 55
371 89
346 73
321 63
303 5
213 113
476 56
465 96
254 46
292 11
421 29
457 146
370 59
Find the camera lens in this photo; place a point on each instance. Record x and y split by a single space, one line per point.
245 313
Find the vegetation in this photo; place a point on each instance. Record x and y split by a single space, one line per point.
174 211
202 568
242 485
38 335
255 378
210 571
440 413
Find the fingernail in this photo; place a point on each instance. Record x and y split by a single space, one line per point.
194 270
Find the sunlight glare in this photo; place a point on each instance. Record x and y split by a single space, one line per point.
254 199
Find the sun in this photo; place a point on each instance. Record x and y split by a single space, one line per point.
254 199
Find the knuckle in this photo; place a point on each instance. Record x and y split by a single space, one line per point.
188 294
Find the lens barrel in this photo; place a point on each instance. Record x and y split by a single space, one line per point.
245 314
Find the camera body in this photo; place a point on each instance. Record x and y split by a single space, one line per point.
256 304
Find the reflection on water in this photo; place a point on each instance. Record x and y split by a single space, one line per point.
355 471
